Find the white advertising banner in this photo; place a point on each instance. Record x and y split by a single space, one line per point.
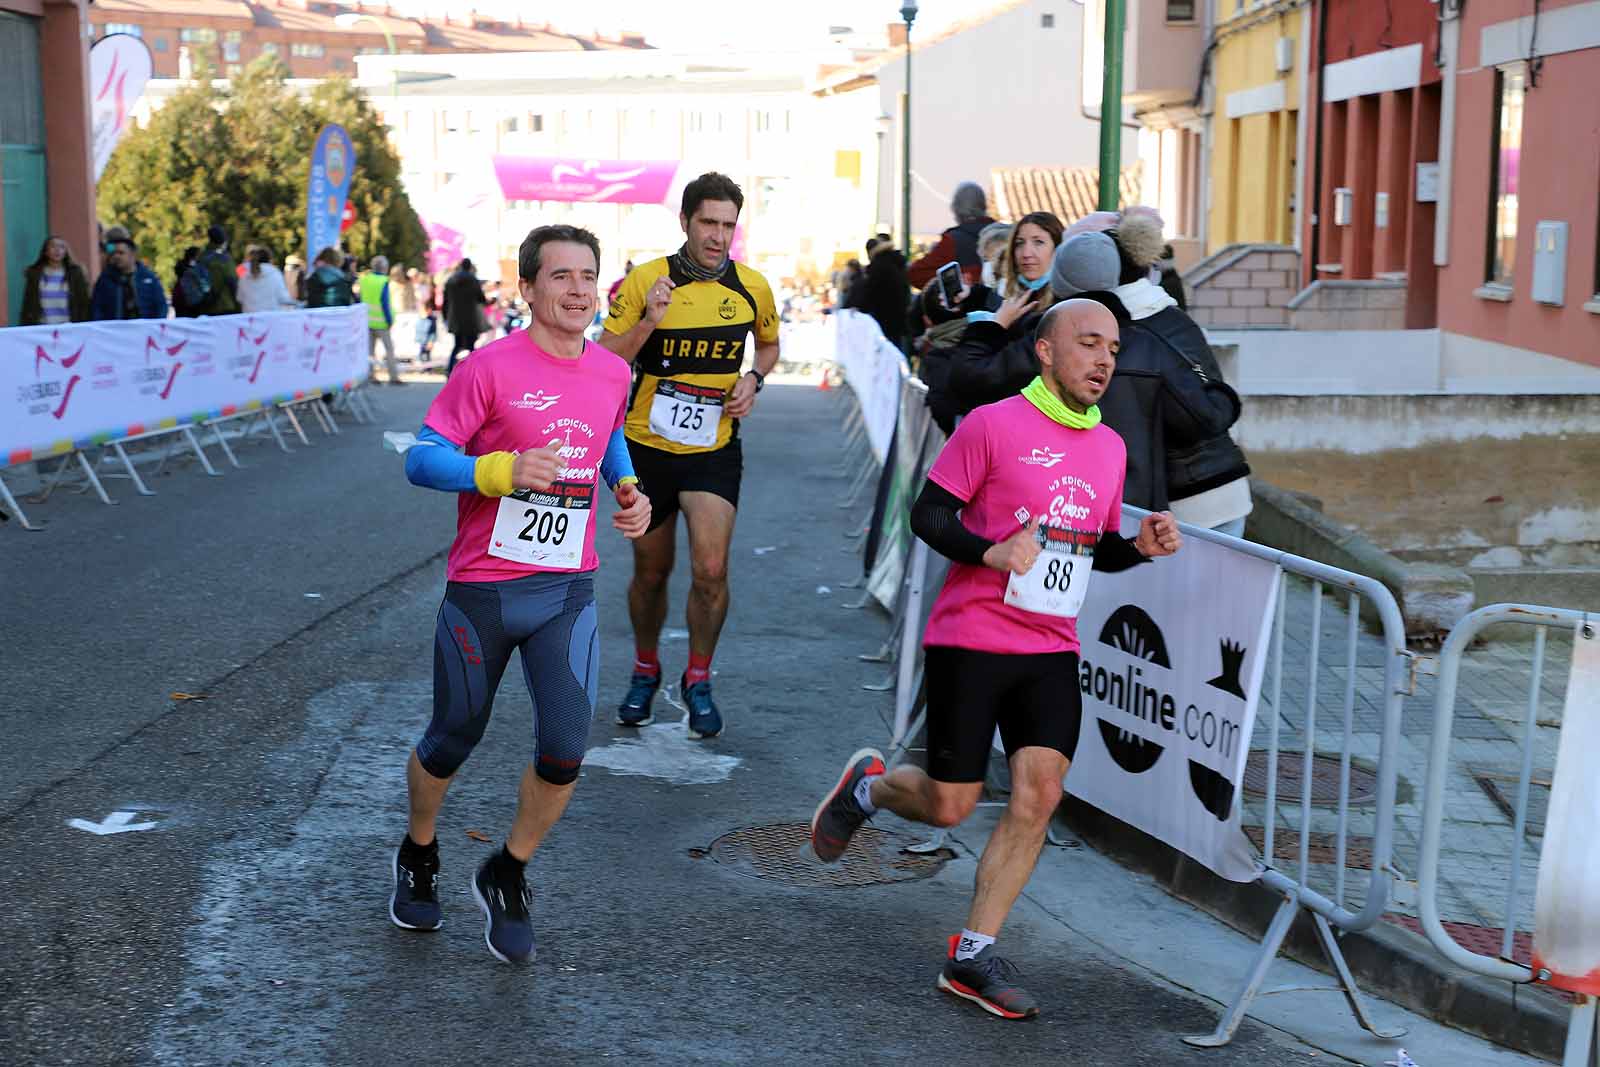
1171 660
119 67
66 387
874 367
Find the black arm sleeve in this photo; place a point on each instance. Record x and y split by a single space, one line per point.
1115 553
934 518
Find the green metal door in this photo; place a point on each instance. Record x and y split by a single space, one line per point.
22 174
22 167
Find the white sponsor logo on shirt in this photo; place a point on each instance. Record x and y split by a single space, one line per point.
540 401
1042 457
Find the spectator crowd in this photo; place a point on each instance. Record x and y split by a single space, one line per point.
207 280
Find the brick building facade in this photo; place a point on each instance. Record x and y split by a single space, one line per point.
307 35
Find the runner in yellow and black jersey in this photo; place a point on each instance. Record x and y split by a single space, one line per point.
686 369
682 321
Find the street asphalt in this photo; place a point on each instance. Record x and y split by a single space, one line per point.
248 925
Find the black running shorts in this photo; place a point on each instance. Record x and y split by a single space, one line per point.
1033 699
663 475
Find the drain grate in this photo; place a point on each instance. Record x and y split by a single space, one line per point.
1324 778
782 853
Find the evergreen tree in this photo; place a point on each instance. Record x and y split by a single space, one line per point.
241 157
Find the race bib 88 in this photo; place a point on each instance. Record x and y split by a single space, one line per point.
1059 578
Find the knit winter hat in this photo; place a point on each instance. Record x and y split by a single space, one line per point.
1085 263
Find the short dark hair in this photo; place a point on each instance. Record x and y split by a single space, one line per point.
216 235
711 186
529 255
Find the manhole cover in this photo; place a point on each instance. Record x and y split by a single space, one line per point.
783 853
1320 847
1324 778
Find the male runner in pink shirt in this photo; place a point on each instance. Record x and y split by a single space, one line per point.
1026 500
523 432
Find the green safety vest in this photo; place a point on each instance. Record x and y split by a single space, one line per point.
372 296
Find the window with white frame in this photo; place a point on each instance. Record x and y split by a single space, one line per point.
1510 84
129 28
301 50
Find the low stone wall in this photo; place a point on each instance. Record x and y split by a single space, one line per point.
1328 304
1244 285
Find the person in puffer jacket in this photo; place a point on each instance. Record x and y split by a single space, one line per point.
1207 477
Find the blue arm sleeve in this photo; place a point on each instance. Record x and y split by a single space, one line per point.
388 314
436 462
616 464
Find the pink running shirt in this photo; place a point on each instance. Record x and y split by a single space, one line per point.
511 396
1004 458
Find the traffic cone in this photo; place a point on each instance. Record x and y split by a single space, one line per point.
825 385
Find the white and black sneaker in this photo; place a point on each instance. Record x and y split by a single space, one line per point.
414 904
502 892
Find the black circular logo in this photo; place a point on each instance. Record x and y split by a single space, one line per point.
1133 631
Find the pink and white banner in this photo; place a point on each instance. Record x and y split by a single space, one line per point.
119 67
590 181
67 387
445 246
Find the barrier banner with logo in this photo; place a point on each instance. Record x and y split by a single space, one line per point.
119 67
72 386
333 164
874 367
1171 660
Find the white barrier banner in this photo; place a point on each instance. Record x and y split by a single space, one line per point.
72 386
1170 670
874 367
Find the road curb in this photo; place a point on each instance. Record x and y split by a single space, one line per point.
1387 960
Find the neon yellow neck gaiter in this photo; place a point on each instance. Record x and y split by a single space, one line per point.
1040 396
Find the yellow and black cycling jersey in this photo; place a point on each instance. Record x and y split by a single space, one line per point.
688 365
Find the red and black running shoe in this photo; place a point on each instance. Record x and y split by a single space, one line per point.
985 979
838 817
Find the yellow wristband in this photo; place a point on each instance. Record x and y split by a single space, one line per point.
492 473
625 480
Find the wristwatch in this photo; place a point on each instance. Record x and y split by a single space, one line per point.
761 379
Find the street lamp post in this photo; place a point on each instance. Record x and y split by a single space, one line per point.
908 11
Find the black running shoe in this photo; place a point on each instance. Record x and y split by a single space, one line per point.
414 904
838 817
635 707
985 979
502 893
704 718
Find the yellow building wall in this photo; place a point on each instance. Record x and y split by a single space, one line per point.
1253 156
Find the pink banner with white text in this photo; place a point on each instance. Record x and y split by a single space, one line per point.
445 246
590 181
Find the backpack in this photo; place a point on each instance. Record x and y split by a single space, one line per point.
195 285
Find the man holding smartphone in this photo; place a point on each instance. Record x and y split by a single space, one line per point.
682 321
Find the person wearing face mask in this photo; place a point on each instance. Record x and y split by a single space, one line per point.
943 327
997 345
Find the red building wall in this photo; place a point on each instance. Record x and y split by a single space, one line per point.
1558 179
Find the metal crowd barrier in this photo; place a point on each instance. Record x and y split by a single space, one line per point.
1328 899
81 469
1583 1037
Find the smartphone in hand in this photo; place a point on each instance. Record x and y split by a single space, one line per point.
950 284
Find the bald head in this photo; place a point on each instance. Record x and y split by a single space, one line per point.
1065 320
1077 347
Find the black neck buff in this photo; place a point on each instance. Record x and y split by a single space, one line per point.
687 264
